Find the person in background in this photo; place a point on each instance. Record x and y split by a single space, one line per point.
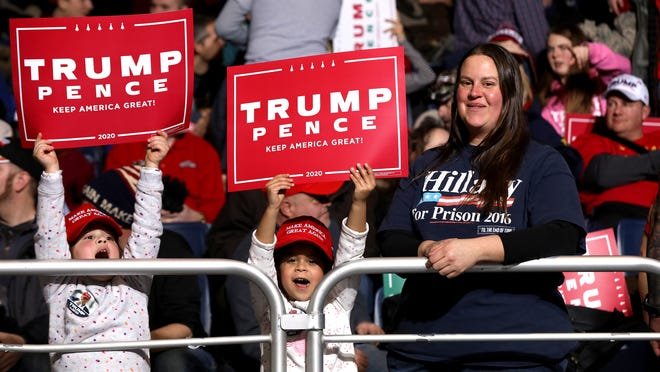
270 30
441 93
209 70
72 8
23 310
428 23
649 284
577 73
620 35
267 30
488 195
85 309
430 132
508 37
159 6
621 162
475 20
419 74
629 355
540 129
431 127
193 161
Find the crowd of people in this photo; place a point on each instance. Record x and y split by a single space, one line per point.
494 177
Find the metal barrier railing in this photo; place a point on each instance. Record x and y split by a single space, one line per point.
316 339
315 321
162 266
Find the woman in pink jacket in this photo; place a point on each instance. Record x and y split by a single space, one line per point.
578 74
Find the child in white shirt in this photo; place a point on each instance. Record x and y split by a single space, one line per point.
298 257
101 308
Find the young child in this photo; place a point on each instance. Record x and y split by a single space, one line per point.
103 308
298 257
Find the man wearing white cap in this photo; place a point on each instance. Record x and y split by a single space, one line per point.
621 162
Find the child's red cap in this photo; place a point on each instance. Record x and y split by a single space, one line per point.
80 218
305 229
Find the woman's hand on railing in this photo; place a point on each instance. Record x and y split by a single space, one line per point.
9 360
654 323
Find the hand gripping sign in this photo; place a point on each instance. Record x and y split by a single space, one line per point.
314 117
88 81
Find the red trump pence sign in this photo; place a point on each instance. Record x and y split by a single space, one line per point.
90 81
315 117
599 290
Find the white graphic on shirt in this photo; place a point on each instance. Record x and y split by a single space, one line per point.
451 191
82 303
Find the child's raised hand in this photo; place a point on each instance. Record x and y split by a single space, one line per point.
364 180
157 148
45 154
275 189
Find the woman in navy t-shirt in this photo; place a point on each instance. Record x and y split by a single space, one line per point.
488 195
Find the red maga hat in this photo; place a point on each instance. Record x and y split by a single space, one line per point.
506 32
79 219
305 229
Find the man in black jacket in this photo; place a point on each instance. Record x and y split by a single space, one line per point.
23 311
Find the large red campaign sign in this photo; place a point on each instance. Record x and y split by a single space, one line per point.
314 117
88 81
599 290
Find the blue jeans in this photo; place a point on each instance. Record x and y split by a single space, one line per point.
398 363
183 360
32 362
377 358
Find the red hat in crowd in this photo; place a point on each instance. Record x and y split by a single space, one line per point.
506 32
316 189
509 32
86 216
308 230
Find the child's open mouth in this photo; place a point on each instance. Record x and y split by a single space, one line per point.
301 281
102 254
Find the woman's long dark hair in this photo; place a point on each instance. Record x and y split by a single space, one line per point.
498 157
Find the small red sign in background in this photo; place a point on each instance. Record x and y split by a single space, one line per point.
598 290
579 124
